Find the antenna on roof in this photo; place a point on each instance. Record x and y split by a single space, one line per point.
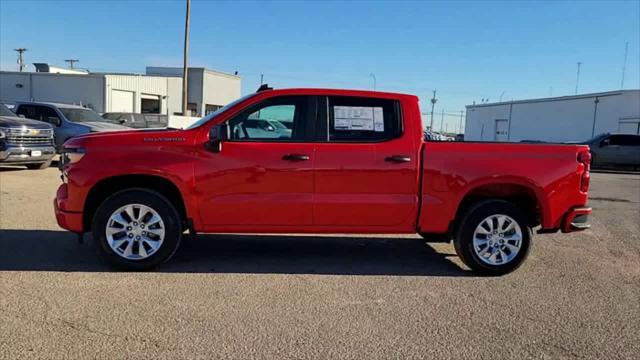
264 87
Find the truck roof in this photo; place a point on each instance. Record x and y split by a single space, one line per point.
58 105
340 92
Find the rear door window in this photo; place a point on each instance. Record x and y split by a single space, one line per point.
29 111
356 119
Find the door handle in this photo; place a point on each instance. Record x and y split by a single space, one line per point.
398 158
295 157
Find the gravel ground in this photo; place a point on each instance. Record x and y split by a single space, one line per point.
240 297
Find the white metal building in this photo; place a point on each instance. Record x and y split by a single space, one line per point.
110 92
558 119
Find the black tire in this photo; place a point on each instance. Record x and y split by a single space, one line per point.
152 199
39 166
472 218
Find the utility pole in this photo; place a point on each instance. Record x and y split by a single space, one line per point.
442 122
578 77
433 104
461 116
374 80
624 64
70 62
185 69
20 51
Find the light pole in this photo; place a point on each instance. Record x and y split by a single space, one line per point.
461 115
433 105
20 51
578 77
71 61
442 122
374 81
185 69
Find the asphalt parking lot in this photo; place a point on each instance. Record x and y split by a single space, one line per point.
234 296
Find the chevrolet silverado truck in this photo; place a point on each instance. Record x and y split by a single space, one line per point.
352 162
25 142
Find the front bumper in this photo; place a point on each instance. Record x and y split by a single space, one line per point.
72 221
11 154
576 220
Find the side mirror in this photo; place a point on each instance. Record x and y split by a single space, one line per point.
217 134
53 120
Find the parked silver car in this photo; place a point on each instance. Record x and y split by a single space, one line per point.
67 120
615 150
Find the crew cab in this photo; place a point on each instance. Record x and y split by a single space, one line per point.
352 162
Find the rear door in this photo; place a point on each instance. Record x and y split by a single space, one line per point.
365 166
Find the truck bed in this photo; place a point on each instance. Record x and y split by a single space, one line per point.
548 175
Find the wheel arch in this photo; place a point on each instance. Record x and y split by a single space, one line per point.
108 186
522 195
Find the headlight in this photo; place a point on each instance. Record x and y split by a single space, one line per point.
71 155
2 134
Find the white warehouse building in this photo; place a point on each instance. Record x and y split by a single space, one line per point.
157 92
557 119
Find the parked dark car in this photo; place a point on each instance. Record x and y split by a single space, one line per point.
137 121
25 142
615 150
67 120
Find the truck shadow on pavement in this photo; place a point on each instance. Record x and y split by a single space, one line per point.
34 250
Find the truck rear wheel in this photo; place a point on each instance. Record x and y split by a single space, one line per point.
494 237
137 229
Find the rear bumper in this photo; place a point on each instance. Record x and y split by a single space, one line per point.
72 221
576 220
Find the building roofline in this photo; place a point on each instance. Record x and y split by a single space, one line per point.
557 98
203 69
50 74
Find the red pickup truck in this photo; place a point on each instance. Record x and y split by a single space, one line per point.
317 161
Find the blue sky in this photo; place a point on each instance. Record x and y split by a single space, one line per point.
465 50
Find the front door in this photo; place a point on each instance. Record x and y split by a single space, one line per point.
366 166
263 176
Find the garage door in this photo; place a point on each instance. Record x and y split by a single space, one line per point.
629 126
122 101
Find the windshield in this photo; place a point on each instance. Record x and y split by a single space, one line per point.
81 115
218 112
4 111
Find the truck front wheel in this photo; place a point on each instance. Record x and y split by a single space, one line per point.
494 237
137 229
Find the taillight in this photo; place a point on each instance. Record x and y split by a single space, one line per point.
584 158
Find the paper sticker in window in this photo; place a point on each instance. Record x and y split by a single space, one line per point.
358 118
